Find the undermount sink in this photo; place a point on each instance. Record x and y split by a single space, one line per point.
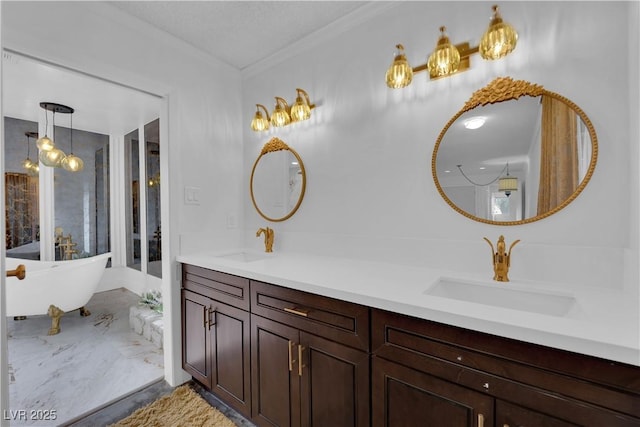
246 256
503 295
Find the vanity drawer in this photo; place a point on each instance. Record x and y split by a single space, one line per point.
223 287
469 357
340 321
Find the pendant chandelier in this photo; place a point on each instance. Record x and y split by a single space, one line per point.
29 165
50 155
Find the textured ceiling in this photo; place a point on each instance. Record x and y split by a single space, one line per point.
240 33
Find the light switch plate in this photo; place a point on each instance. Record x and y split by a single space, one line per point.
191 195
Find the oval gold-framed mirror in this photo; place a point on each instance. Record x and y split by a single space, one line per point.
278 181
514 154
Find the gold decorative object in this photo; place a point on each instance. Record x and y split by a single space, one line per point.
273 145
268 238
501 259
295 184
498 41
66 245
504 89
283 114
56 314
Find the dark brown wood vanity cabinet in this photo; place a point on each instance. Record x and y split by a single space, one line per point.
310 359
429 374
216 334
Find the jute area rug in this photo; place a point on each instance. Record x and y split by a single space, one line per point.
182 408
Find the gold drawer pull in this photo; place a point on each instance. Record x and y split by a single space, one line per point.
480 420
300 365
297 311
20 272
291 360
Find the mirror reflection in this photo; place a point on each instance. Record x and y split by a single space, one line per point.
278 181
514 154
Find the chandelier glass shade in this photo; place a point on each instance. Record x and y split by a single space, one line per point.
29 165
52 158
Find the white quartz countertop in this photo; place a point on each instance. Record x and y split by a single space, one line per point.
601 322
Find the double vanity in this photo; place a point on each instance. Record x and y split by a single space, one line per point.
290 339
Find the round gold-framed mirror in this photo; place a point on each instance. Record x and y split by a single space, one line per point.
278 181
515 153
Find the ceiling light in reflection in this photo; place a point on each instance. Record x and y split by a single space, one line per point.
474 122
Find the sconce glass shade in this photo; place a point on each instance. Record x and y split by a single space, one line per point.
280 117
508 184
499 40
45 143
400 73
52 158
300 111
259 123
445 59
72 163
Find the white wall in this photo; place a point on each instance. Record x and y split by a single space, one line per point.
367 149
201 116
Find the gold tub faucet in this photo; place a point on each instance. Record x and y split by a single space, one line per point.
501 259
268 238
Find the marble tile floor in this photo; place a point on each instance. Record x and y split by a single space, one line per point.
93 361
128 404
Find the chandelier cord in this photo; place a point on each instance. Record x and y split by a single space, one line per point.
71 134
482 185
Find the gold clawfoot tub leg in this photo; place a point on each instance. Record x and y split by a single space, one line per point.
55 313
84 312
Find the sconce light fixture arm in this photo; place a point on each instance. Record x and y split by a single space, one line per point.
306 98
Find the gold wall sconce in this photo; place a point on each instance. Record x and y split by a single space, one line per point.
283 114
446 59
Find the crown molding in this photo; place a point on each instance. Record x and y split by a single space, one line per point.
328 32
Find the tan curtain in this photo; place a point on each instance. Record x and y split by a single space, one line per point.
559 156
21 202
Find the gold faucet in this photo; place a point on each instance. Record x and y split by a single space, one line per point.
268 238
501 259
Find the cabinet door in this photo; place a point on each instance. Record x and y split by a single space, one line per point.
275 385
334 382
509 415
403 397
230 356
196 353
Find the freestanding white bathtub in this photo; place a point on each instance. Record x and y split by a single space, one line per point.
53 287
